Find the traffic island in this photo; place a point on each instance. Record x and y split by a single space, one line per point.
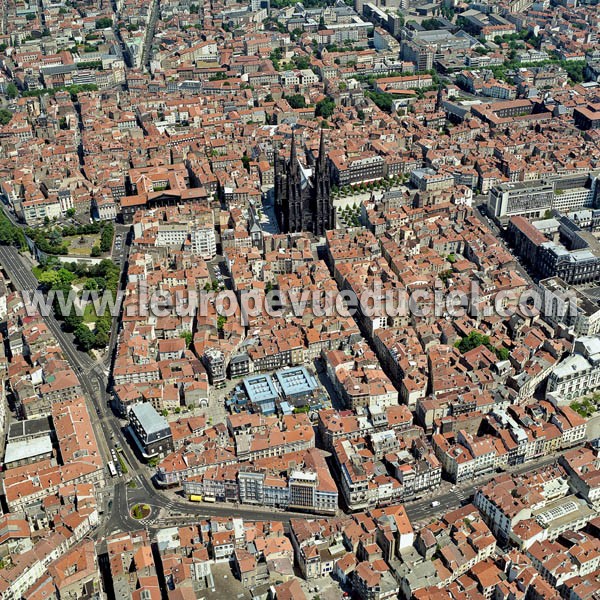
140 511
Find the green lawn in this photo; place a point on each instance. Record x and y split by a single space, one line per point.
81 245
89 313
585 408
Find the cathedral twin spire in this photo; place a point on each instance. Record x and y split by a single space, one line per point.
303 207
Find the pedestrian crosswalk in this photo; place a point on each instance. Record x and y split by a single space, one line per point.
462 494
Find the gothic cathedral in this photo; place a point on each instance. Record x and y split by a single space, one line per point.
302 195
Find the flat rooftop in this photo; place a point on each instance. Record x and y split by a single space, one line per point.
260 388
149 419
31 427
26 449
296 381
560 288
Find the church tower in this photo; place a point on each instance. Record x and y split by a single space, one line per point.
294 208
439 99
321 205
303 201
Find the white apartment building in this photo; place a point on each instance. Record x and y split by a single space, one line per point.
35 211
204 242
578 374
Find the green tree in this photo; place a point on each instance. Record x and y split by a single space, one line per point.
325 108
56 279
85 337
445 276
473 340
275 57
246 162
383 100
72 321
101 339
476 339
12 91
296 101
96 251
301 62
10 235
502 353
106 237
103 23
430 24
221 320
188 337
574 70
5 116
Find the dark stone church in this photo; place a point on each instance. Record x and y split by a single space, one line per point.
302 195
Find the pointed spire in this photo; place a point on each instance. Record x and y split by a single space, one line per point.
293 164
322 156
293 149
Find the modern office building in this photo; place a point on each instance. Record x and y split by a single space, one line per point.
529 199
150 430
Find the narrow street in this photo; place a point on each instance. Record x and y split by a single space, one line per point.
149 34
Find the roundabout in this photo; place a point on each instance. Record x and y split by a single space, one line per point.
140 511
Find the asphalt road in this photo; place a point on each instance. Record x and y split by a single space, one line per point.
422 509
92 374
149 34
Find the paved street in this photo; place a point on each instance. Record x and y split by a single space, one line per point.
421 511
149 33
593 427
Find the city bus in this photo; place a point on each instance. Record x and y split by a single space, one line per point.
111 469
